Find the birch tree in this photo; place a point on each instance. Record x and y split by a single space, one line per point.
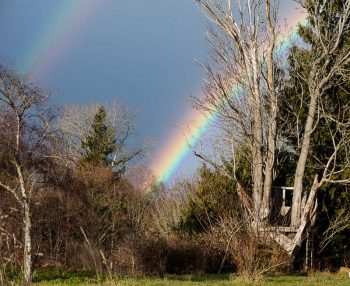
327 68
26 126
242 86
325 72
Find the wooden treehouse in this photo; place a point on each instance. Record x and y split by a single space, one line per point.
280 229
281 206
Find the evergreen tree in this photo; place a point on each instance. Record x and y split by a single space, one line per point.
212 199
99 144
333 199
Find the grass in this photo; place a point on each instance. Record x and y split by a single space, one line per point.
57 277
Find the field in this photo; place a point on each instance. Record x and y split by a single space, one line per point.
317 279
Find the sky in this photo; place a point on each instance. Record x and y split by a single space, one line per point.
140 52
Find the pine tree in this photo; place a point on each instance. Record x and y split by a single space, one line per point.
99 144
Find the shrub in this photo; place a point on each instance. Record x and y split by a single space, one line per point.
253 255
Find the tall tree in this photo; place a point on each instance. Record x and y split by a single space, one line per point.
99 144
26 142
244 88
242 91
317 105
328 27
75 120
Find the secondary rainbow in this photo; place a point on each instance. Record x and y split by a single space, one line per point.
178 146
59 34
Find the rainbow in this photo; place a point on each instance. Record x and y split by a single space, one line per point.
179 146
57 36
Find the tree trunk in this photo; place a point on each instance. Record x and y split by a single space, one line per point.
300 170
305 220
292 247
272 124
269 168
27 254
258 175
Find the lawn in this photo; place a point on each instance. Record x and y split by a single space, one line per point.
317 279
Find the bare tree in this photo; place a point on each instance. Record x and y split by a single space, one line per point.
329 59
338 225
26 140
243 88
326 69
141 177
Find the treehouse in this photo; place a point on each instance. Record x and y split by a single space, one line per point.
282 198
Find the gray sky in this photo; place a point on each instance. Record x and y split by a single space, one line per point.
138 51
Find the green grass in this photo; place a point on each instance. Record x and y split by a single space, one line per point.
86 278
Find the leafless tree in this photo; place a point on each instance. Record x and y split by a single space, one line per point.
243 88
141 177
26 140
327 68
167 210
242 85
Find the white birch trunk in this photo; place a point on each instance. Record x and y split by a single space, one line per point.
27 254
306 217
272 124
257 152
300 169
27 225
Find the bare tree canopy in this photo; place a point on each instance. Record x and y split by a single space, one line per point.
245 88
27 142
75 123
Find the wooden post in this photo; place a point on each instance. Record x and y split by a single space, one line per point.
306 266
312 252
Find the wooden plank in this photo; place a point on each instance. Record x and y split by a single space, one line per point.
279 229
287 244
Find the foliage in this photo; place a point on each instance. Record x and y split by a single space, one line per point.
99 144
333 199
213 197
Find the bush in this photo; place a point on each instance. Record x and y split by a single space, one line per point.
253 255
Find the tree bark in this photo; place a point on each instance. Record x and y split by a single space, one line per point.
27 226
27 254
300 169
272 124
258 175
305 219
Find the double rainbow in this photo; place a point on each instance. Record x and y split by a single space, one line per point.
58 36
